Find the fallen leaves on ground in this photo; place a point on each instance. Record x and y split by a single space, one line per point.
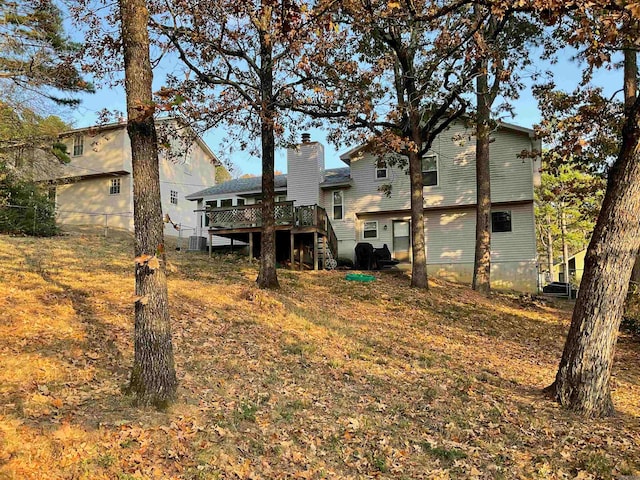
321 379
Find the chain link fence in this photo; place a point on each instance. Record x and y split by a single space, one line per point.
39 221
27 220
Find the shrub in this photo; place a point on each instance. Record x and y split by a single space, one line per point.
25 207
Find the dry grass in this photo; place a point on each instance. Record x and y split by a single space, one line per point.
322 379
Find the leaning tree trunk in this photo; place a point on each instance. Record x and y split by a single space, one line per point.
153 377
267 277
582 381
482 261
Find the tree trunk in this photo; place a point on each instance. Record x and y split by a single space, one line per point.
630 94
267 277
550 249
582 381
482 261
153 376
565 245
419 254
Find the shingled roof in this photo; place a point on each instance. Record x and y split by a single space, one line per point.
254 184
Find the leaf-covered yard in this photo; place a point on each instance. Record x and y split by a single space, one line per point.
322 379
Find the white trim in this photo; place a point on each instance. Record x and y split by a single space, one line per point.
375 172
363 230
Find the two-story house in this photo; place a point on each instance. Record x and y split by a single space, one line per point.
369 201
96 187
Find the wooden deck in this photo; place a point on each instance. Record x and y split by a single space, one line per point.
246 220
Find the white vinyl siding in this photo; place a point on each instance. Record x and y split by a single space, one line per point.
511 176
450 236
305 170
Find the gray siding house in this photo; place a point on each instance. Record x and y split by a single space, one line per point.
357 209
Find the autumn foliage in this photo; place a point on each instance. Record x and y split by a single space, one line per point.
322 379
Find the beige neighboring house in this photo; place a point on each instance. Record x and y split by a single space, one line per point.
357 209
96 187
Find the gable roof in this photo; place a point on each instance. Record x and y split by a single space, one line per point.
122 124
333 176
346 157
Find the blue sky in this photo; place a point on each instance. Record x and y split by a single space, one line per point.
566 75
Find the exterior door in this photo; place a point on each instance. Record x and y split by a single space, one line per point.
401 240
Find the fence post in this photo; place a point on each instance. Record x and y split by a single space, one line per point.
106 224
35 216
180 237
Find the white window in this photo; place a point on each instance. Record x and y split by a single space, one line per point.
114 188
227 202
240 202
78 145
338 205
382 172
430 170
370 229
500 221
174 197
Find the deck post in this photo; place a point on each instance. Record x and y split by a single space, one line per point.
293 251
210 243
301 254
250 247
324 252
315 250
231 244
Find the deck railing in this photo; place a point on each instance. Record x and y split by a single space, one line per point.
250 216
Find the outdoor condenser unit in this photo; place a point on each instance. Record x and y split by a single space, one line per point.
197 243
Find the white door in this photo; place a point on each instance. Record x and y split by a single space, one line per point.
401 240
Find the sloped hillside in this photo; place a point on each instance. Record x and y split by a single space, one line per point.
322 379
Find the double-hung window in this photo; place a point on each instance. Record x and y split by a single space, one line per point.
78 145
430 170
382 171
338 205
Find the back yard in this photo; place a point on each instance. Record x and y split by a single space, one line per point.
323 379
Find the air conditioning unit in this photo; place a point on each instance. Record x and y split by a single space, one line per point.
197 244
